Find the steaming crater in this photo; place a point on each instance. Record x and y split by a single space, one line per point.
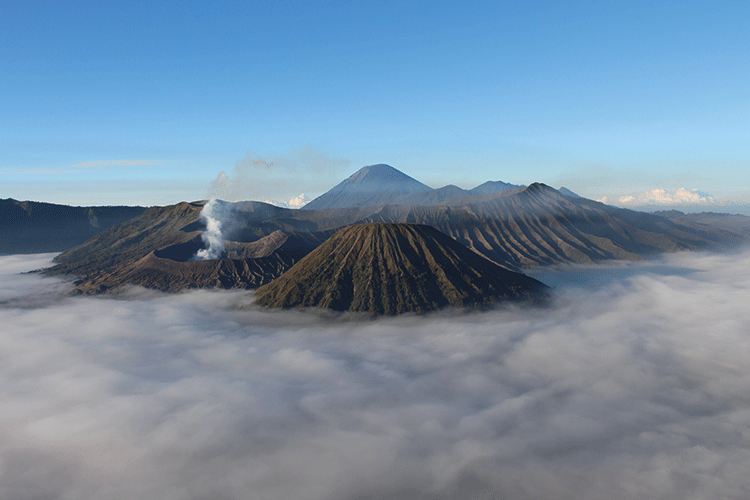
254 249
181 252
240 265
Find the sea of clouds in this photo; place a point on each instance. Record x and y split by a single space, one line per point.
635 384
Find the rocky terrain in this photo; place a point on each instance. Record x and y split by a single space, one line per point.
386 268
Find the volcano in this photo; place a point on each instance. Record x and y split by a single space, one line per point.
516 229
386 268
369 186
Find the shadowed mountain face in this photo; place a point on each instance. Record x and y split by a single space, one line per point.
393 269
33 227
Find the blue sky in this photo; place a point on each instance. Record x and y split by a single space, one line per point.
147 103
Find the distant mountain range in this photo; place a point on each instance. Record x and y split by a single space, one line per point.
382 184
33 227
516 229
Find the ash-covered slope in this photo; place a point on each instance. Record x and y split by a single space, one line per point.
394 269
157 250
369 186
156 228
537 225
34 227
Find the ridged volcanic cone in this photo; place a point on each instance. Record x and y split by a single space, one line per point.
390 269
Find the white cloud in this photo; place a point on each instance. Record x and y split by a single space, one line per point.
661 197
296 202
633 385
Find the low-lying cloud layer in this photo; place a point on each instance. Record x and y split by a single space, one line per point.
662 197
635 385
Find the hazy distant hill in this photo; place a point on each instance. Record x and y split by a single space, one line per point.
393 269
34 227
736 222
490 187
373 185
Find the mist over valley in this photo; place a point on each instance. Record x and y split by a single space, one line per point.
633 388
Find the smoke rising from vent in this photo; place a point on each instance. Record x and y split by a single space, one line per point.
633 385
258 178
212 236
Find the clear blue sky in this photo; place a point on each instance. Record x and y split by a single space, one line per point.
146 103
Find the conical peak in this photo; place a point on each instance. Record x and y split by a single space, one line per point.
369 186
387 268
382 173
378 170
541 189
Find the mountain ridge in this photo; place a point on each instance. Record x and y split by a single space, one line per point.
516 229
382 184
37 227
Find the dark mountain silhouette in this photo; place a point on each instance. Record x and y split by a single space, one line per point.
434 197
372 185
394 269
518 229
33 227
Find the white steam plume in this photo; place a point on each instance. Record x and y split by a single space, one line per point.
212 236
